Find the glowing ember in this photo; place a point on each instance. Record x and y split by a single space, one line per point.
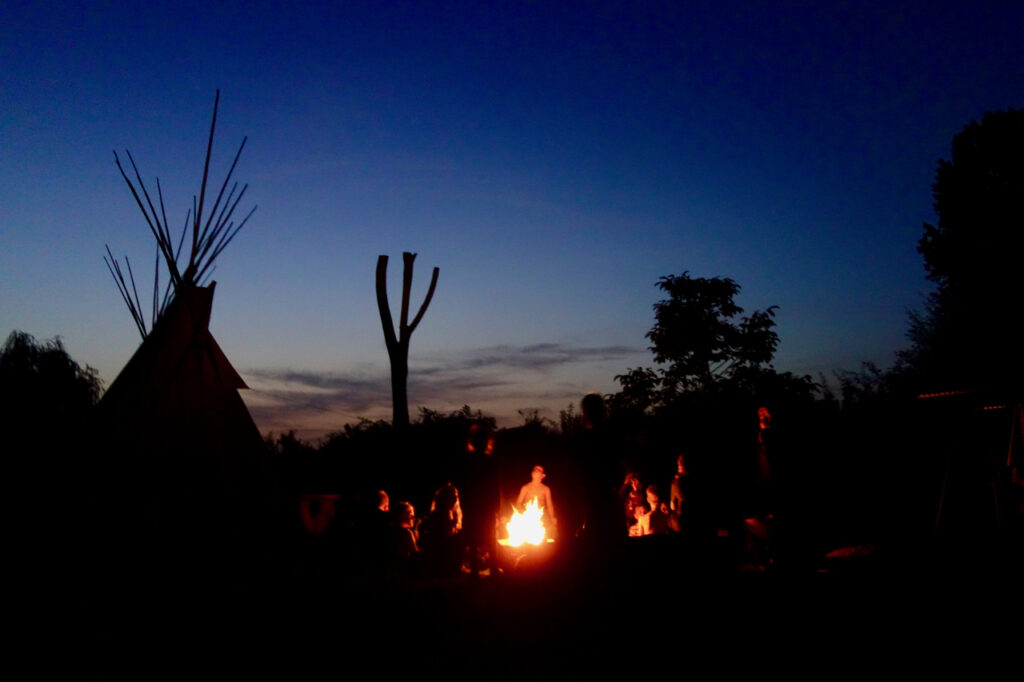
526 527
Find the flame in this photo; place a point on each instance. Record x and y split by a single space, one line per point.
526 527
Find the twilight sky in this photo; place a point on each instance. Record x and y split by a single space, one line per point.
554 159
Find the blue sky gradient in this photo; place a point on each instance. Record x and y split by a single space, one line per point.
553 159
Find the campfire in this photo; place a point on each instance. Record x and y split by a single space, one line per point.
526 527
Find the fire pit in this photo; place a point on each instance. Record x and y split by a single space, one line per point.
527 536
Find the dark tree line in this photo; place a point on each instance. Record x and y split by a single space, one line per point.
44 393
46 404
968 336
965 338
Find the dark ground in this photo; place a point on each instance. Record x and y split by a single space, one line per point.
659 607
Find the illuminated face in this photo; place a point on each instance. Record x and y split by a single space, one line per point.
488 449
408 514
537 474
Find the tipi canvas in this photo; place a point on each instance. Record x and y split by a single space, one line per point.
190 454
185 465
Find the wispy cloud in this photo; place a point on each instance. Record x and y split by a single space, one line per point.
538 357
500 378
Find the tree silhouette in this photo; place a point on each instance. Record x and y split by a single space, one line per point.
966 337
702 344
46 402
42 386
700 337
398 344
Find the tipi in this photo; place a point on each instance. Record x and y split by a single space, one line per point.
186 463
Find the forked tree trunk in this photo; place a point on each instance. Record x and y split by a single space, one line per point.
398 344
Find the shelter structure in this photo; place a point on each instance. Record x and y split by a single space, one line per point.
189 460
184 465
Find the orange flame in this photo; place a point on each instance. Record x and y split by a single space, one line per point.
526 527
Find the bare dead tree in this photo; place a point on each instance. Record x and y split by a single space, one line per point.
398 344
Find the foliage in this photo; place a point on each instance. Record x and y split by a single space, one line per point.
41 382
965 337
533 420
703 344
287 444
46 402
700 337
869 384
462 418
639 390
370 454
978 203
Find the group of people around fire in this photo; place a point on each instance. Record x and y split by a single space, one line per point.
460 530
647 512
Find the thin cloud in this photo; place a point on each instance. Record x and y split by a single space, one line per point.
540 357
284 399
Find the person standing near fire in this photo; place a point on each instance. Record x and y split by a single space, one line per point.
536 490
679 493
596 463
480 496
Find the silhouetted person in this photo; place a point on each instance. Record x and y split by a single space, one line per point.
764 437
658 518
642 516
631 496
480 497
439 533
651 515
759 527
678 493
596 463
375 531
317 512
406 545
